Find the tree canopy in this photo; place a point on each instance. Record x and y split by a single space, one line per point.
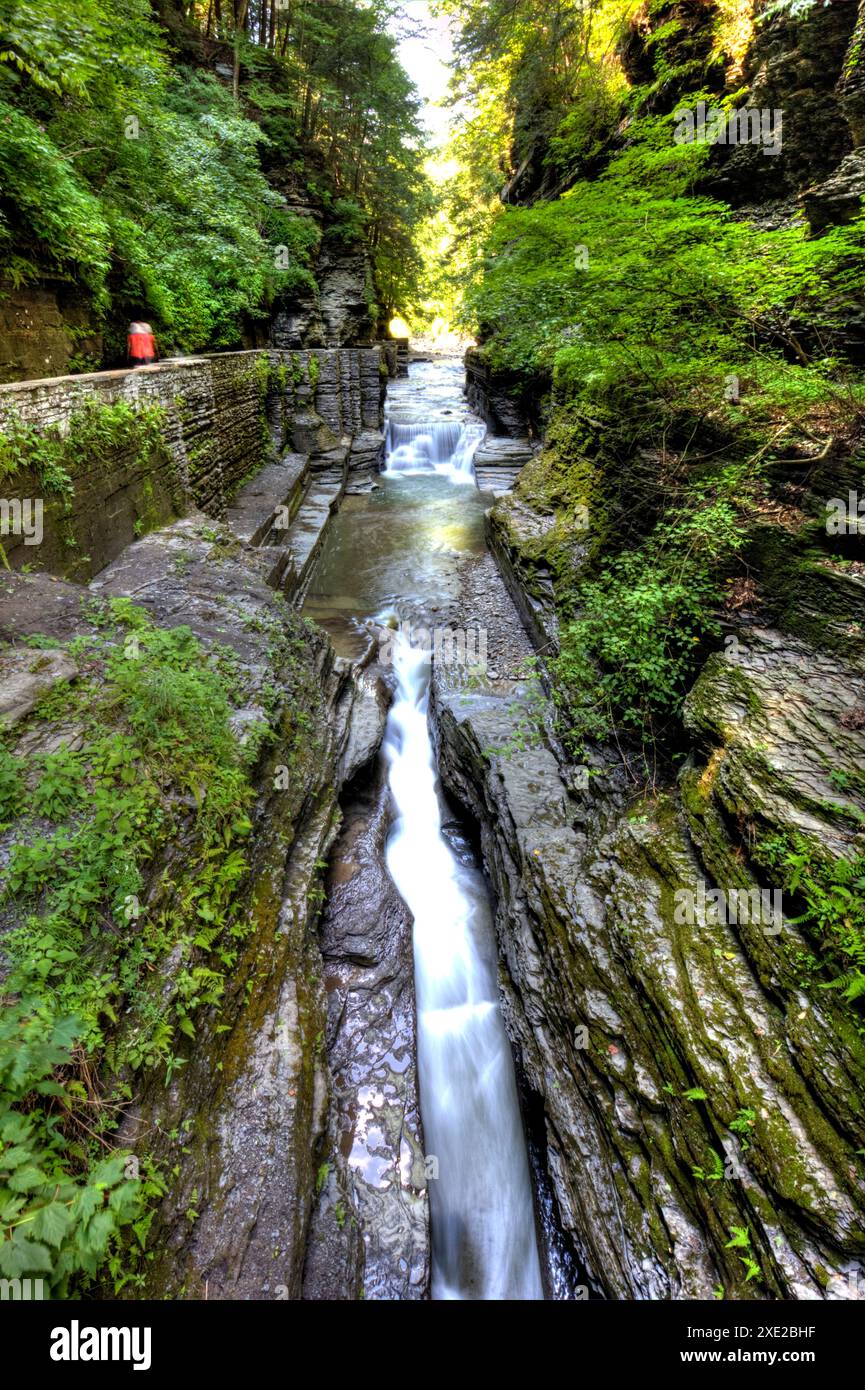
154 157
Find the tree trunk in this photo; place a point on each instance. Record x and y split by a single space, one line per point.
285 32
241 8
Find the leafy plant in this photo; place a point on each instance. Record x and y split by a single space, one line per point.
713 1174
147 180
743 1125
61 786
831 891
645 623
740 1239
55 1222
156 727
11 785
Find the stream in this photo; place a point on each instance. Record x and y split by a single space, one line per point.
392 555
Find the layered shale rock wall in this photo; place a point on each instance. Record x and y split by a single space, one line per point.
42 327
112 455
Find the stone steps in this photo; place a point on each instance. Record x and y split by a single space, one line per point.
255 512
256 516
306 533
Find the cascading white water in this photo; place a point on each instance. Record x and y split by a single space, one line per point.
438 446
483 1234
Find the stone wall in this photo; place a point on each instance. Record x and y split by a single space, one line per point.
41 328
220 418
507 403
801 62
340 311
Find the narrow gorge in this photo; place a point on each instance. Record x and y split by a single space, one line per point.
433 692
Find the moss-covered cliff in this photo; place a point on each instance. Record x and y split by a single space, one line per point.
678 331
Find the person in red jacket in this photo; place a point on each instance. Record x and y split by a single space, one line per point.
141 344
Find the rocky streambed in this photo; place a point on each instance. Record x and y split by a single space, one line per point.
692 1100
692 1097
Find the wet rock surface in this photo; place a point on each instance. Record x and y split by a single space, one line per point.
297 1114
839 198
689 1084
242 1124
245 1116
345 296
27 675
498 462
517 536
685 1077
796 64
499 399
779 719
373 1191
338 315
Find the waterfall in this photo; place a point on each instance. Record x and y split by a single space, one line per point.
483 1235
437 446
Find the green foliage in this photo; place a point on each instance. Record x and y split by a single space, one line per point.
65 224
674 286
543 91
642 626
95 432
147 182
713 1174
740 1239
831 892
200 257
11 785
156 738
329 88
61 785
678 343
60 1212
743 1125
